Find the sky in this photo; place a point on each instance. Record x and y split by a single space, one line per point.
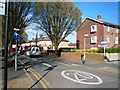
108 11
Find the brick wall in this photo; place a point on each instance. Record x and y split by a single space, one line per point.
111 34
85 29
101 33
0 31
89 56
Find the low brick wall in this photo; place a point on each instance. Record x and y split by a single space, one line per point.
89 56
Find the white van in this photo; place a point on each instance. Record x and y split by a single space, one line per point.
35 51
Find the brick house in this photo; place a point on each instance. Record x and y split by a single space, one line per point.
98 31
0 31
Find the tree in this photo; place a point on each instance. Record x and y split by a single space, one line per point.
20 16
57 19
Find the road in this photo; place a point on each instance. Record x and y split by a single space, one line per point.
62 73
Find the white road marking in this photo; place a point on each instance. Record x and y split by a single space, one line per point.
81 77
76 65
47 64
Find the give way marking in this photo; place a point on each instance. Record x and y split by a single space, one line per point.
81 77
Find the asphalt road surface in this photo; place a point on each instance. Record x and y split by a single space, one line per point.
51 72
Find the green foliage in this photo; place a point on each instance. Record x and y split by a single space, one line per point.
109 50
79 50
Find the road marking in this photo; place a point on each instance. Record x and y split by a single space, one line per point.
76 64
30 78
46 64
63 63
42 78
33 72
41 81
81 77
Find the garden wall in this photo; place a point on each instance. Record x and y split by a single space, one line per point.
89 56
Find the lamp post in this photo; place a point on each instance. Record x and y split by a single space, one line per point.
85 35
15 29
37 34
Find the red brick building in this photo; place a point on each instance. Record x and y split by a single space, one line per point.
98 31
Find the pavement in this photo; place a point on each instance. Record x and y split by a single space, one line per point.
20 78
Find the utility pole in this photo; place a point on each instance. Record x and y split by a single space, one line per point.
6 45
36 36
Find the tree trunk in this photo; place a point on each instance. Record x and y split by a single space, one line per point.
56 50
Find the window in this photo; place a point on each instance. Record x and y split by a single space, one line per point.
108 39
116 30
116 40
108 29
93 28
94 39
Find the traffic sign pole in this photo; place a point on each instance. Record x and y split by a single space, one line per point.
6 46
16 37
16 57
104 44
104 51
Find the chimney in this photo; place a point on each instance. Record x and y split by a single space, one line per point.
99 17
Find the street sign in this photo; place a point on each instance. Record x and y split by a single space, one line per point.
2 7
16 35
104 43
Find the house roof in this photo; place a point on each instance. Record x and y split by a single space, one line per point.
45 39
102 22
72 44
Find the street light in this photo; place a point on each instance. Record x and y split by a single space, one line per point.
15 29
85 35
37 33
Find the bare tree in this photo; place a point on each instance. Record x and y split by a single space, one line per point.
57 19
20 16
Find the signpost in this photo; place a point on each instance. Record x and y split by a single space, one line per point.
16 37
104 44
5 12
2 7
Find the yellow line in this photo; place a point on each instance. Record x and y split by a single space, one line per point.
63 63
42 83
42 79
33 72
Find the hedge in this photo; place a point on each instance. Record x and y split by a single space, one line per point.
108 50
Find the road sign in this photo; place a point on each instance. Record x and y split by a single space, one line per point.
2 7
104 44
16 35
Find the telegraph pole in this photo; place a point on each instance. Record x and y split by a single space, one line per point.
6 45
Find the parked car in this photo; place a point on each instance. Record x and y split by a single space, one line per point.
35 51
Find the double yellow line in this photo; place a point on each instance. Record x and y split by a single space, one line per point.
37 76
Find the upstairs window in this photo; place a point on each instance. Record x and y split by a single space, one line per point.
93 28
116 40
108 29
108 39
93 39
116 30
